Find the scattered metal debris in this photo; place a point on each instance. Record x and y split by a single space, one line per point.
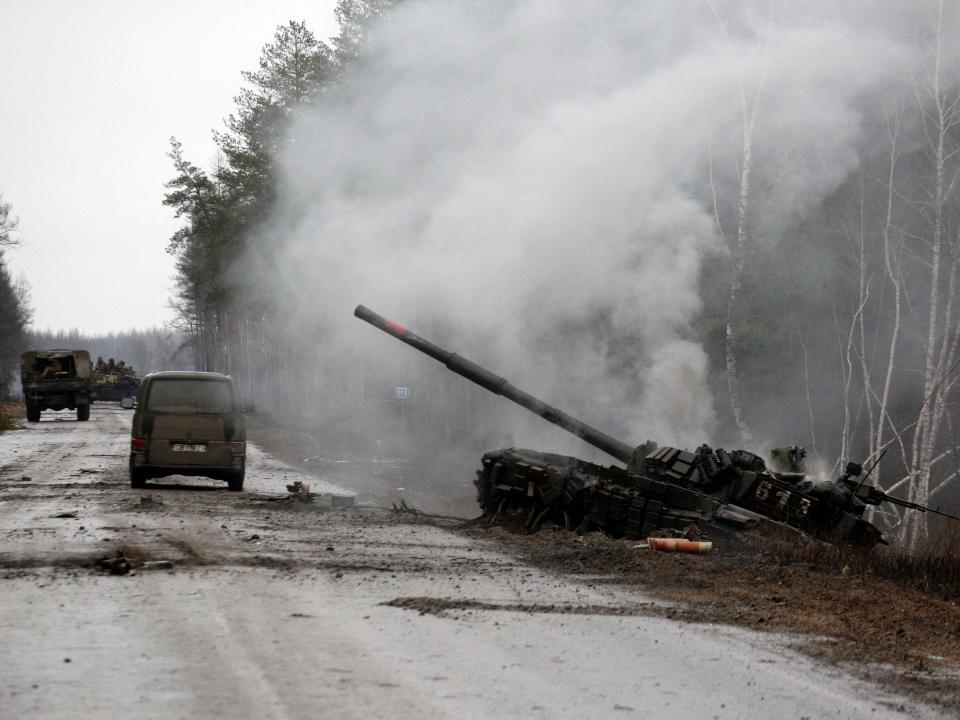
299 487
157 565
404 509
677 545
300 492
116 565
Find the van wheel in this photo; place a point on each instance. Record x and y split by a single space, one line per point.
235 481
83 412
33 413
138 478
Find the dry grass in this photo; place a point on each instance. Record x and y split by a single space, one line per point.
935 571
10 413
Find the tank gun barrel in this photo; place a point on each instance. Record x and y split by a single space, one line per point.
498 385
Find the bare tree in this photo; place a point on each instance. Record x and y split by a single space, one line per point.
939 101
739 243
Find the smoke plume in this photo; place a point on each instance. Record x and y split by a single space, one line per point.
541 183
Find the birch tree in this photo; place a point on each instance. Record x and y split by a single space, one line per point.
739 242
938 97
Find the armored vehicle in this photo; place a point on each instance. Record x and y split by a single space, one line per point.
112 382
56 380
661 488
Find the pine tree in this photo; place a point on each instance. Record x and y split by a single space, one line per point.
14 306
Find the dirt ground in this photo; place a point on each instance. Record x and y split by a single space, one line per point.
898 636
881 629
10 413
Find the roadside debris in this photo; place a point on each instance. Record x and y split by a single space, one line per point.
299 487
404 509
678 545
300 491
157 565
116 565
120 564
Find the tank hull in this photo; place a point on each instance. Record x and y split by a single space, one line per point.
538 488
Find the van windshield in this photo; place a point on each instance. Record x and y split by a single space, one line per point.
191 396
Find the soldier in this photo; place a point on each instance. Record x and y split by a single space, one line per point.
791 458
51 370
99 363
111 365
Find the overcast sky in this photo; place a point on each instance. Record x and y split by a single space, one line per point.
91 93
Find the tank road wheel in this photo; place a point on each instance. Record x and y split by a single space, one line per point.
538 520
33 413
83 412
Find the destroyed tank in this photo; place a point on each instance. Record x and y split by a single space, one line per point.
660 488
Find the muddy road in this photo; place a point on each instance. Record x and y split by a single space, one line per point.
270 608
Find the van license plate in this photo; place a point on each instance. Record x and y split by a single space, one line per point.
186 447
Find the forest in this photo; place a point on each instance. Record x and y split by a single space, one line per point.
15 310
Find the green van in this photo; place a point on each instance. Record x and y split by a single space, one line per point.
188 423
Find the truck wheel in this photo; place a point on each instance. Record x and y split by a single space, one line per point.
83 412
235 481
33 413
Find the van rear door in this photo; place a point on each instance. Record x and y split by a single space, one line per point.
190 422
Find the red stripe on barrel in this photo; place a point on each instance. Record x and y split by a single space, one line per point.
395 328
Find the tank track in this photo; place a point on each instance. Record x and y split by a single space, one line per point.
578 495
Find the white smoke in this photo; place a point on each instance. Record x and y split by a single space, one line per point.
532 168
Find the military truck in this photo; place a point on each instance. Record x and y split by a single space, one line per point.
56 380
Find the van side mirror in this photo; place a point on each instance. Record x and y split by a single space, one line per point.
126 403
248 406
